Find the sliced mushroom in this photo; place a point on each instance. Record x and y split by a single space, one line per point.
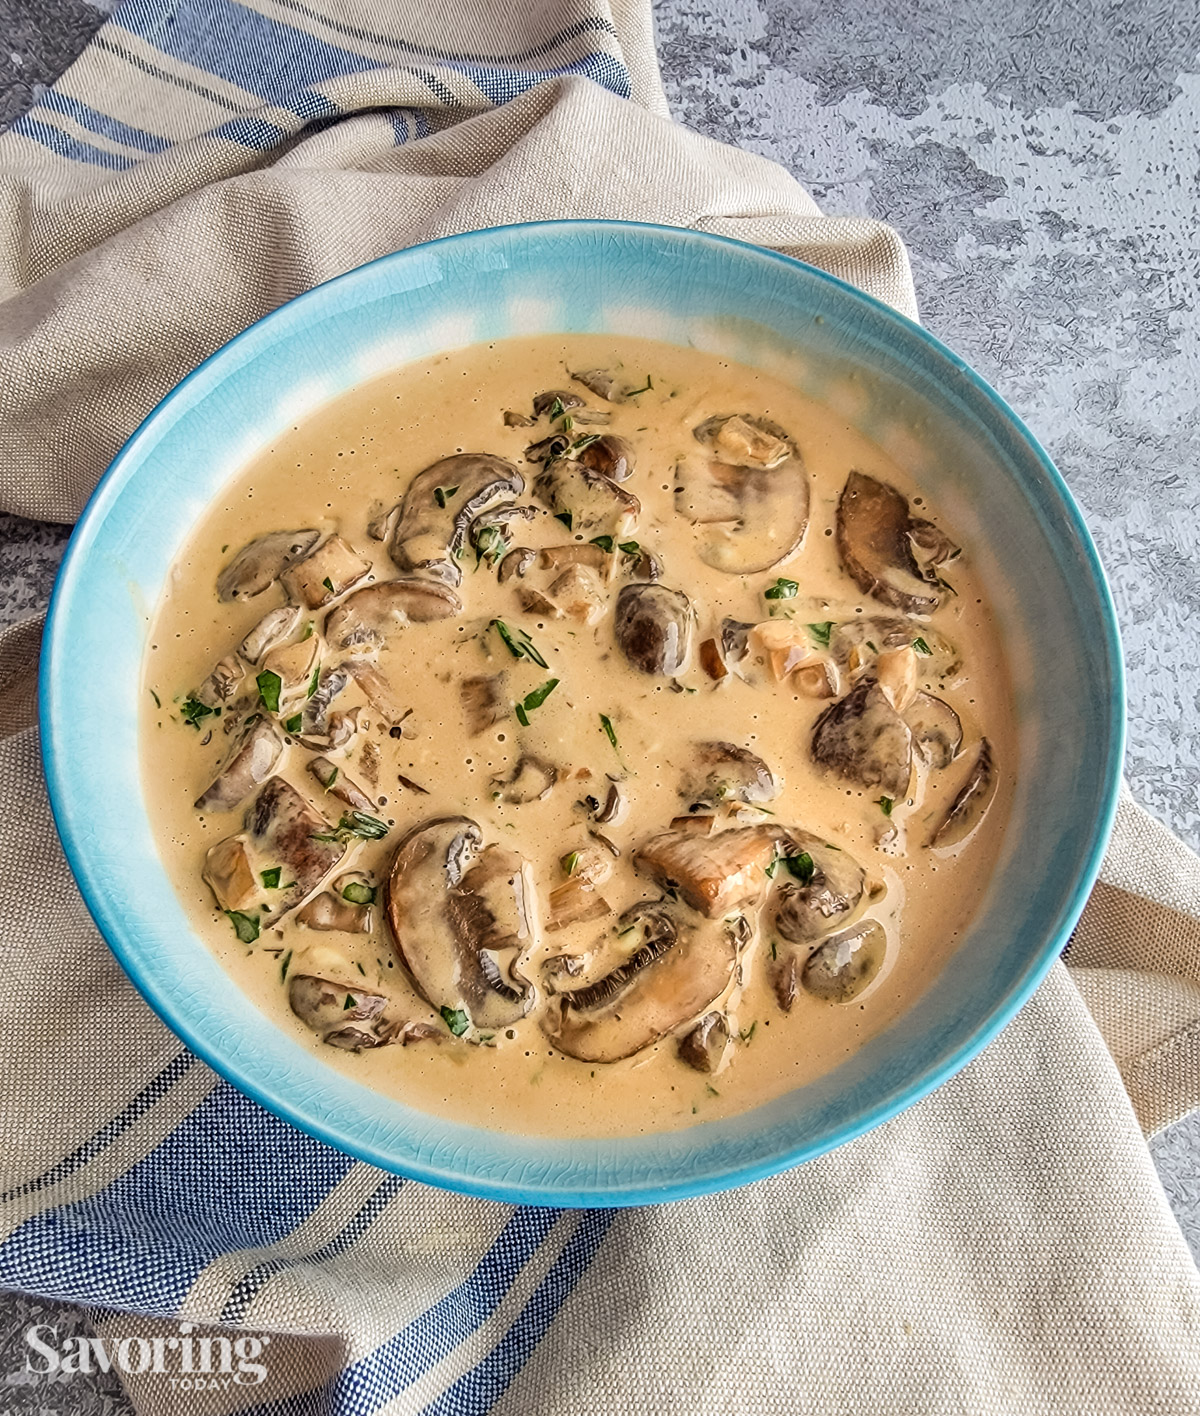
722 771
811 902
556 445
704 1047
518 420
749 499
871 635
602 382
816 678
936 729
714 874
711 661
566 400
439 507
274 627
251 763
294 664
574 902
874 537
675 969
586 501
229 873
321 1004
786 646
328 911
483 701
534 602
896 674
610 455
613 809
559 558
261 562
371 614
316 710
653 626
531 780
285 829
517 562
735 642
577 593
862 738
378 690
324 574
223 683
846 963
335 781
972 801
454 916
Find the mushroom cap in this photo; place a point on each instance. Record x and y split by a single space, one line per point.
610 455
936 729
704 1047
874 539
861 737
274 627
284 829
971 803
252 761
370 615
653 626
713 874
322 1004
591 501
722 771
806 911
262 561
428 536
846 963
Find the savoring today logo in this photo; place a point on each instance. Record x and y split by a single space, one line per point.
189 1362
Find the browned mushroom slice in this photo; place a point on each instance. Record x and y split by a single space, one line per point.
722 771
749 498
566 400
602 382
261 562
285 829
577 593
335 781
846 963
274 627
453 917
674 969
531 780
704 1047
331 682
586 501
576 899
373 613
223 683
874 538
653 626
228 872
518 420
251 763
714 874
610 455
328 911
321 1004
378 690
439 507
936 729
559 558
483 701
863 739
546 449
517 562
896 674
972 801
711 661
329 571
856 643
816 886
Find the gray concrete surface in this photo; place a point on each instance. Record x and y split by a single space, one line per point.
1040 160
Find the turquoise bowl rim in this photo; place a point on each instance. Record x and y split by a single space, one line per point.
55 724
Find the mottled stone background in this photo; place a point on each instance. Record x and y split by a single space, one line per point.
1041 160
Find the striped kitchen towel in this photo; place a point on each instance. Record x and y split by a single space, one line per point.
1002 1247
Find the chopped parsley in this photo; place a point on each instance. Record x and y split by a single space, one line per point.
569 862
284 966
328 584
518 643
270 878
535 700
269 685
801 866
783 589
292 725
442 495
193 711
356 823
609 731
580 444
351 1002
631 548
309 631
312 683
490 545
886 804
821 633
245 926
556 410
157 699
455 1019
604 542
358 893
567 519
921 647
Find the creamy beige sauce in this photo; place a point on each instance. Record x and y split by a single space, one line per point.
336 471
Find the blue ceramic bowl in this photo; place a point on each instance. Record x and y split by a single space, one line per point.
983 470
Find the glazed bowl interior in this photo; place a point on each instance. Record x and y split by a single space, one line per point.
990 481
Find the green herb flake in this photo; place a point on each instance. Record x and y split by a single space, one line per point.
921 647
292 725
539 695
518 643
269 686
872 647
569 862
356 823
193 712
312 683
746 1035
646 388
580 444
157 699
522 716
886 804
333 776
783 589
604 542
270 878
351 1002
567 519
568 423
631 548
358 893
456 1020
442 495
774 949
711 1090
609 731
245 926
360 968
328 584
821 633
284 966
309 630
556 410
801 866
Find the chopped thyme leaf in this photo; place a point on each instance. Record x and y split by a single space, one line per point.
456 1020
442 495
604 542
821 633
631 548
872 647
633 392
283 967
356 823
360 968
333 776
328 584
783 589
270 878
292 725
586 441
609 731
746 1035
886 804
309 630
711 1090
245 926
566 517
358 893
774 953
518 643
269 685
569 862
192 711
522 716
921 647
539 695
312 683
157 699
568 423
351 1002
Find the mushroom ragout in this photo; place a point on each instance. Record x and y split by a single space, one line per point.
578 735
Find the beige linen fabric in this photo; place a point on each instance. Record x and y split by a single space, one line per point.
1002 1247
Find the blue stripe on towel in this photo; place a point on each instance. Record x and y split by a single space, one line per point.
59 142
478 1390
251 1282
101 123
101 1139
230 1176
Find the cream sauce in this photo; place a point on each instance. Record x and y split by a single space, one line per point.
337 471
